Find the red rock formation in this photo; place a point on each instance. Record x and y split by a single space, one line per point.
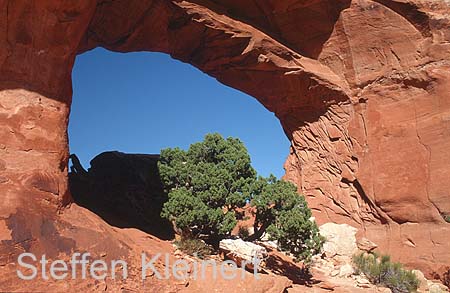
125 190
361 88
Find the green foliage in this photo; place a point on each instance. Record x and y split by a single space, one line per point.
243 232
285 215
212 179
194 247
206 184
381 271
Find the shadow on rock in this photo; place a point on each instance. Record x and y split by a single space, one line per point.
124 189
295 272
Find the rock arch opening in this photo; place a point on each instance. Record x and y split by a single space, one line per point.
127 107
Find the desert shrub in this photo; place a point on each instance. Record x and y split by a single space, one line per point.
194 247
285 215
381 271
208 185
243 232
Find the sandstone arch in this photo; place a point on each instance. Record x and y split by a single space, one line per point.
364 99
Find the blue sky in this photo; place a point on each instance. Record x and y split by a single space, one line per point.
143 102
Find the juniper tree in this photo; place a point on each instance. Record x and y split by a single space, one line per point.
206 184
209 182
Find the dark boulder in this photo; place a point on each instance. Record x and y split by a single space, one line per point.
124 189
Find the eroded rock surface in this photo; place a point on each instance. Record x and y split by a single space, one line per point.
340 244
361 88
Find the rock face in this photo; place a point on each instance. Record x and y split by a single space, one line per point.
366 245
125 190
244 253
340 244
361 88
